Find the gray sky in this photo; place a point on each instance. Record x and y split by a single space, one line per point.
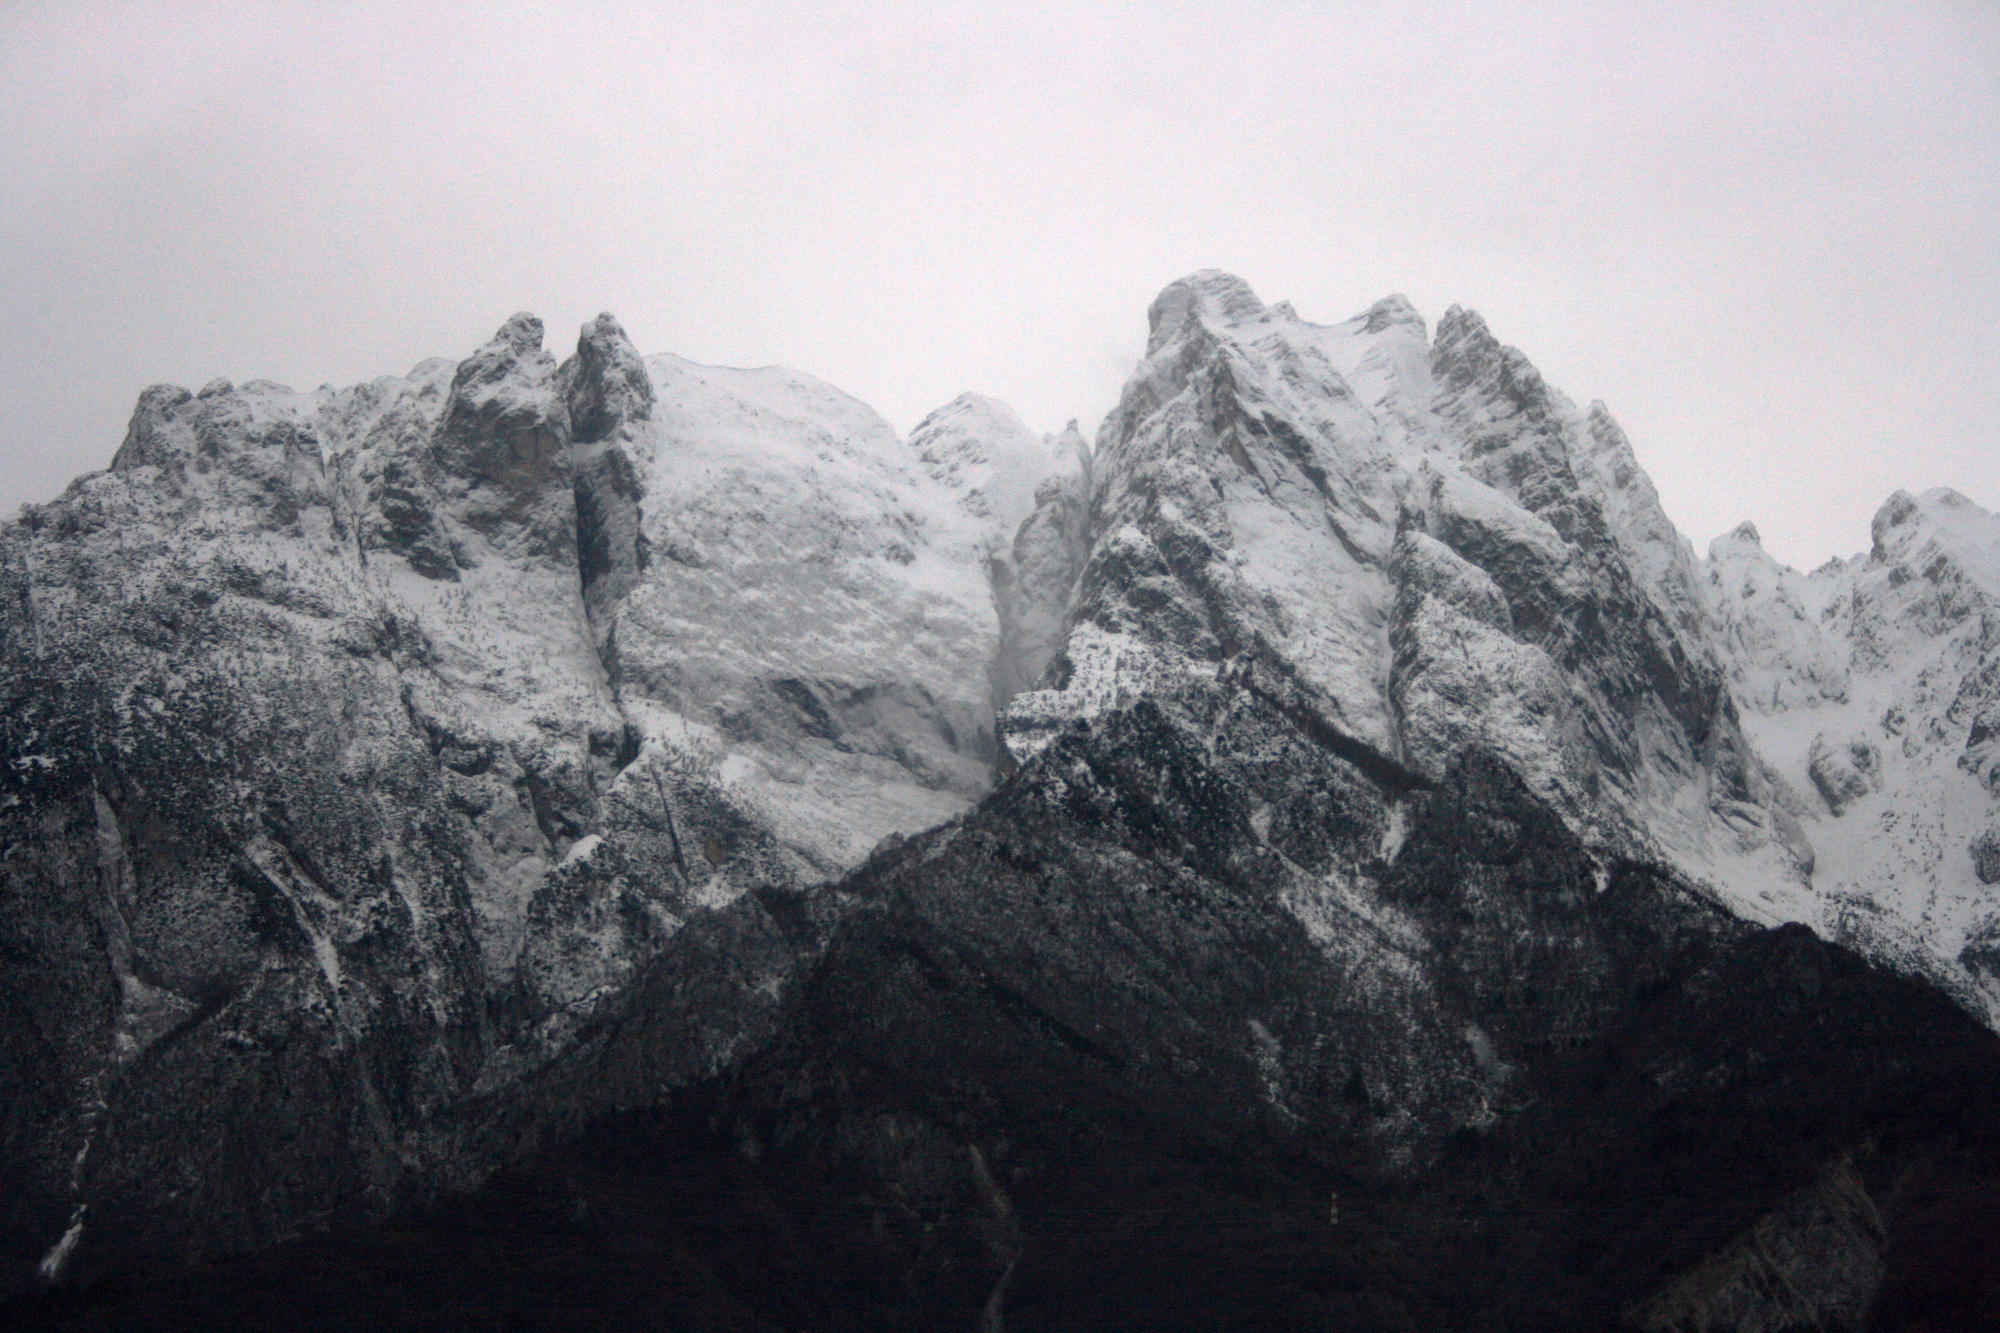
1768 236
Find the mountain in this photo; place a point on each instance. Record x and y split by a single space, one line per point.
1872 686
367 747
1056 871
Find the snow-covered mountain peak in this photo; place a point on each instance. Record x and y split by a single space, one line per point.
1219 299
814 638
983 451
1392 309
1742 543
1248 492
1768 621
513 358
528 699
1933 566
965 429
1916 529
774 409
1871 687
501 455
1250 489
173 429
1467 361
1896 512
606 383
522 333
1462 334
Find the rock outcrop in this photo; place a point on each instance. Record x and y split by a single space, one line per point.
1844 770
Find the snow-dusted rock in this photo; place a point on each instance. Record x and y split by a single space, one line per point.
1933 567
395 771
810 639
1033 583
501 457
1028 493
1241 503
1976 707
1844 769
610 397
1662 562
1985 850
382 746
1425 568
986 455
1768 621
1556 511
1248 496
1461 680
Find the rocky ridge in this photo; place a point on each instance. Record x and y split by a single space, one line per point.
367 747
1871 687
1345 751
1437 555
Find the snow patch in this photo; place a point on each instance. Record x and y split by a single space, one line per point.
52 1263
582 849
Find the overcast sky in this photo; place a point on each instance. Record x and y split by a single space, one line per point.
1768 236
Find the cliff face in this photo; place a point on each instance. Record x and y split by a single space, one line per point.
1342 772
1426 548
366 748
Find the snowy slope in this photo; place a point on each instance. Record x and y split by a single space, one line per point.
1872 686
815 633
814 624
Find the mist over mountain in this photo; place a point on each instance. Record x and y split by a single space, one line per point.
1325 853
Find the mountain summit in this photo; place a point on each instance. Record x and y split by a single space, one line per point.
1340 780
